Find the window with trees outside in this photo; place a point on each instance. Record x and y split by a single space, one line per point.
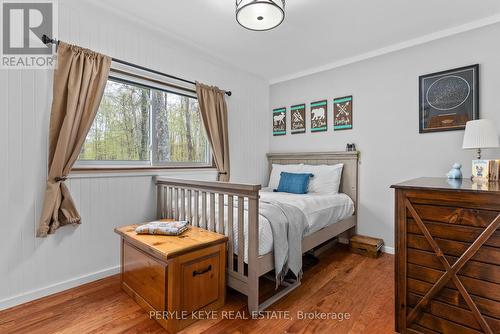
140 125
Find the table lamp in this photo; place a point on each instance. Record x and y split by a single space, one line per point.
480 134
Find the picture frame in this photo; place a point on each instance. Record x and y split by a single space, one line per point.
298 118
342 113
319 116
448 99
279 121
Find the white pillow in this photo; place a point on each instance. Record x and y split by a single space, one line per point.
274 179
326 179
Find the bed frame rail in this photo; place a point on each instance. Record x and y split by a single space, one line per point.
196 202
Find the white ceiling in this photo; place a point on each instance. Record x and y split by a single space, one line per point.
316 34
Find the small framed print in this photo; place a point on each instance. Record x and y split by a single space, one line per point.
342 113
448 99
298 118
319 116
279 122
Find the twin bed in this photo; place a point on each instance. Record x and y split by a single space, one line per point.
233 209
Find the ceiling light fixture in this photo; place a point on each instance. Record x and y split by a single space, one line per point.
260 15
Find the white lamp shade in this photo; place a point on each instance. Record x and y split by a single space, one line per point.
260 14
480 133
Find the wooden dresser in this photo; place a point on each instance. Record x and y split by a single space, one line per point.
174 276
447 266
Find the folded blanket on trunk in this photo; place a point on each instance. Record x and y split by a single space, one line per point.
163 228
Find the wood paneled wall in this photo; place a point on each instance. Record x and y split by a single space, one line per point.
31 267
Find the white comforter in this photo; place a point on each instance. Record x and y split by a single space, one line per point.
320 210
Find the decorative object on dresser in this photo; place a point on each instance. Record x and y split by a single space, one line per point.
319 116
494 167
367 246
447 257
279 122
448 99
174 275
480 134
455 172
485 170
342 113
298 118
480 170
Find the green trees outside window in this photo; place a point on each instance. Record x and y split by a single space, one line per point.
137 125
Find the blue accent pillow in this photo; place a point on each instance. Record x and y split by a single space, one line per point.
295 183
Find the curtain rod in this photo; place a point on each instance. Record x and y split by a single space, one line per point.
47 40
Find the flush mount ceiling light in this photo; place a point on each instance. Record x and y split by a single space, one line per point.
260 15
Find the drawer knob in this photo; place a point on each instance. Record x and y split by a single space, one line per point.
201 272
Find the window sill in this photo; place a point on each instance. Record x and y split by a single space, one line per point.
95 172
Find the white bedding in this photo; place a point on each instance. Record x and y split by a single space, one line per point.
320 210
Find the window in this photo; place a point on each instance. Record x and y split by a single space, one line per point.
142 125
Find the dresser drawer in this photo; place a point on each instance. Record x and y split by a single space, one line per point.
465 234
200 280
454 215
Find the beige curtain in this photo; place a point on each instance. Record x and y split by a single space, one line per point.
214 114
79 82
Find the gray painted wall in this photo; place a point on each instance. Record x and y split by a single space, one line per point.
385 91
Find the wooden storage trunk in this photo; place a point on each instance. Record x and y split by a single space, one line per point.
173 276
367 246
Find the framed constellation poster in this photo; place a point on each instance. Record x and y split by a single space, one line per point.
279 122
342 113
319 114
448 99
298 118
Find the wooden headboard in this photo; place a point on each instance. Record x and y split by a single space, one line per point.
349 183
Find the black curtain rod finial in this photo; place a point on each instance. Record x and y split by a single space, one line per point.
47 40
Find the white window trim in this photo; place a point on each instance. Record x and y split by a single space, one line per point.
210 172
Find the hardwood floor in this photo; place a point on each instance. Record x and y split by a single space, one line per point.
342 282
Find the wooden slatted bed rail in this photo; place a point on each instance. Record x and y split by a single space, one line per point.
218 207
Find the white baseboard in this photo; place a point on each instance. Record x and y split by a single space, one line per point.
57 287
388 250
74 282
